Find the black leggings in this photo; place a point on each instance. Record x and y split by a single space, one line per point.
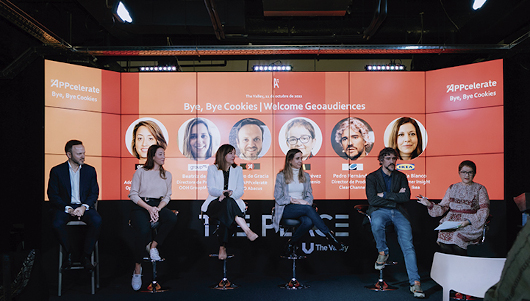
452 249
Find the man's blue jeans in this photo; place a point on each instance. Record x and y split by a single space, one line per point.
307 216
384 216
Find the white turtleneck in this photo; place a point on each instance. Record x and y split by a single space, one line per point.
296 188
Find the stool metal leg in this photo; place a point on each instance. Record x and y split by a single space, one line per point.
224 284
93 274
60 283
381 285
293 284
154 286
96 250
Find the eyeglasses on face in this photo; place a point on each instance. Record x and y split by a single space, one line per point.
293 140
467 173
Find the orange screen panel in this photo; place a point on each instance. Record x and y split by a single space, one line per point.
308 108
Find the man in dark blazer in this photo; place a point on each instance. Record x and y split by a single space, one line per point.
73 191
387 189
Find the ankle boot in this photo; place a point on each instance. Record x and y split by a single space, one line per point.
338 245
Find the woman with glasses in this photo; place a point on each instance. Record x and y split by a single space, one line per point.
468 203
300 134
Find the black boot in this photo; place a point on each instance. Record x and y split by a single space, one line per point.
338 245
67 261
290 248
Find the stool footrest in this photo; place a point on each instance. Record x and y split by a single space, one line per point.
381 286
293 284
295 257
152 260
224 284
217 255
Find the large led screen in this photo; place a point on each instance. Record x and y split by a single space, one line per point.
340 121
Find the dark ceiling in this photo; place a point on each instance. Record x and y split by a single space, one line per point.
87 28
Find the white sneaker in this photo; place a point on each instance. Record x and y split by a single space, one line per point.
136 281
153 253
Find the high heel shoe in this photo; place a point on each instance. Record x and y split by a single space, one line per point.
338 245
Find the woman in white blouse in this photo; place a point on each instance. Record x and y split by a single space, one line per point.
294 199
226 186
151 192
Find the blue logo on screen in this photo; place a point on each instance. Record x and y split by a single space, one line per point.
405 167
353 166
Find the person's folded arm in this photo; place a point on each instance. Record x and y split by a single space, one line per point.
373 198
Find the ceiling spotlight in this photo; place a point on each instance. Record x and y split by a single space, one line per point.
123 13
390 67
158 68
261 68
478 4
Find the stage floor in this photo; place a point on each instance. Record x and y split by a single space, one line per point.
325 287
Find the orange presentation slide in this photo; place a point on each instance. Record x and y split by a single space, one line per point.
339 120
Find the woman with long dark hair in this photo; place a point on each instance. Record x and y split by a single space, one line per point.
151 192
226 186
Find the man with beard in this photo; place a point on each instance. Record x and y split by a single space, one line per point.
387 190
353 136
73 192
249 139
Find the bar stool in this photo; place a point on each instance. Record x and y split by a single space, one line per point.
380 285
154 286
289 224
94 258
224 284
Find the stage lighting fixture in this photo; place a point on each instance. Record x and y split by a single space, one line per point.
123 13
158 68
268 68
478 4
390 67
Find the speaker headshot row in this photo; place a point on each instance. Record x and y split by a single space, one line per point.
351 138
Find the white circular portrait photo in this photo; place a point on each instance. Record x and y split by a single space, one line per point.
301 133
143 133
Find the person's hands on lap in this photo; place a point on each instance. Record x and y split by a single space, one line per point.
153 213
79 211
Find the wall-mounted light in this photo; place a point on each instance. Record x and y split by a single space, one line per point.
158 68
389 67
122 13
269 68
